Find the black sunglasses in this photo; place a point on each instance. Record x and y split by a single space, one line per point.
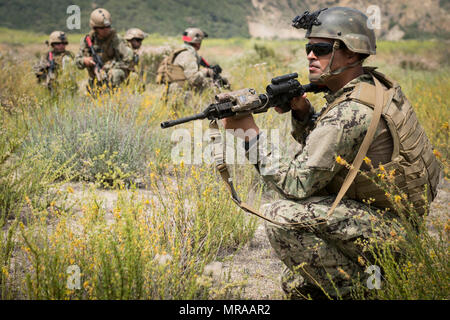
102 27
319 49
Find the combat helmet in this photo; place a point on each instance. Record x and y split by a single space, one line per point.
194 35
344 24
100 18
57 37
135 33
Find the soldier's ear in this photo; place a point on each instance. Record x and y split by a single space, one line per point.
351 56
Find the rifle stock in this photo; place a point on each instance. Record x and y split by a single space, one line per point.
50 71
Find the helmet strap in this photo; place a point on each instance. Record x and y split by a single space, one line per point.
328 73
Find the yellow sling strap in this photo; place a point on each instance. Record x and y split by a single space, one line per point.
379 96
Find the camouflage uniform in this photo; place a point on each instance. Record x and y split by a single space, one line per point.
41 68
116 56
53 61
135 63
328 255
138 34
196 77
137 72
330 249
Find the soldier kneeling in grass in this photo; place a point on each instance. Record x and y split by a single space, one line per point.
55 60
367 122
104 53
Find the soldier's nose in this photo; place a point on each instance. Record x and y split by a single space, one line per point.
311 56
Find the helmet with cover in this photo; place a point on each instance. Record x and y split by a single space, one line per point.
58 37
194 35
341 24
100 18
135 33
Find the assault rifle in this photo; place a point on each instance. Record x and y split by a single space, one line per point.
218 80
279 93
50 71
97 59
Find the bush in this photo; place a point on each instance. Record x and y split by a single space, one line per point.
104 140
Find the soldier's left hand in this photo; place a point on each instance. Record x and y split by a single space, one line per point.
246 123
208 72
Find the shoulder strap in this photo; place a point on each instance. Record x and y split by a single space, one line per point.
378 100
175 53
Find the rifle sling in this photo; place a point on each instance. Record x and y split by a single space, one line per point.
219 159
368 138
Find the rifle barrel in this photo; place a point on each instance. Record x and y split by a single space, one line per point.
171 123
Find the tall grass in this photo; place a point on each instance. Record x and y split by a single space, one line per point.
104 139
152 246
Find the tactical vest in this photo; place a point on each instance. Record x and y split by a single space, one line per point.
168 72
58 57
103 47
417 170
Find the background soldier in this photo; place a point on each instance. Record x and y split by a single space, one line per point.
104 53
53 61
339 41
183 67
134 37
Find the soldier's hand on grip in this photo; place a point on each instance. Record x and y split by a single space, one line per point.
88 61
300 105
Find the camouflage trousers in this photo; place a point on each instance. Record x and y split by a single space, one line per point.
324 257
177 96
114 78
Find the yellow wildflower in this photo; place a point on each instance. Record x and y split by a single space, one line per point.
437 154
340 161
345 274
361 261
391 174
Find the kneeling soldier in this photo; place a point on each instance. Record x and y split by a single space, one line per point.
104 53
53 61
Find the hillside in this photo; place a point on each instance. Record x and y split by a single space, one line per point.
224 19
